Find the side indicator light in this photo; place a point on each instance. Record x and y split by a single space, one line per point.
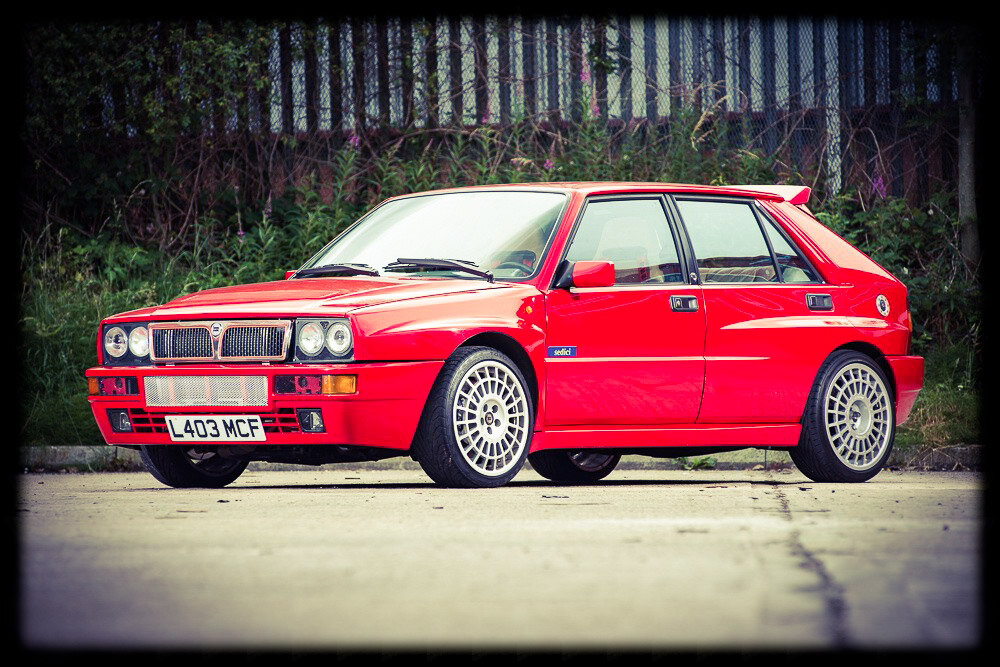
93 387
340 384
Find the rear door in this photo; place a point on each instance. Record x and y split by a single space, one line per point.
630 354
769 323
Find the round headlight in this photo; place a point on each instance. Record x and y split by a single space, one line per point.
138 342
338 338
115 342
311 338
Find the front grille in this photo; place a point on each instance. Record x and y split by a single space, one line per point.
282 420
205 390
253 342
236 340
182 343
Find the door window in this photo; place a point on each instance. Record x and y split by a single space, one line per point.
728 242
634 235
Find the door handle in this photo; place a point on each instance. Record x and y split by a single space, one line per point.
683 303
819 301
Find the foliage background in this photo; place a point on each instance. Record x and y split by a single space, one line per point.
135 204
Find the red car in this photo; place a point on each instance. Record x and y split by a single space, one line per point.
565 323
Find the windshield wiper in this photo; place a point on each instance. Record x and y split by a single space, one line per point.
434 263
342 269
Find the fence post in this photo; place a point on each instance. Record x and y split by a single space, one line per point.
529 43
625 71
649 47
406 69
285 56
770 86
503 67
552 68
794 91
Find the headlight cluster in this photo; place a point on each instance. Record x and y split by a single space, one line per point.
323 340
126 344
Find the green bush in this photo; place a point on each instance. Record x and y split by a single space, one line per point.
919 245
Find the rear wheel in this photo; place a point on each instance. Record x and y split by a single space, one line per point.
477 424
191 467
850 422
573 465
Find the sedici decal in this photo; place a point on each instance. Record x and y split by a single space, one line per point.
562 351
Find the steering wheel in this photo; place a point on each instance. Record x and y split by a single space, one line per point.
513 265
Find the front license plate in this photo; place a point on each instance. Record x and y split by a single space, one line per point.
208 428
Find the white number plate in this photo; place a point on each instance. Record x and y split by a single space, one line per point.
215 428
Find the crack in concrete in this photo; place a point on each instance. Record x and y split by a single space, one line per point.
833 593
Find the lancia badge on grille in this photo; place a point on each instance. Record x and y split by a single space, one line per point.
216 329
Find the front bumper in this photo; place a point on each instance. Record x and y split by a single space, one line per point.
383 411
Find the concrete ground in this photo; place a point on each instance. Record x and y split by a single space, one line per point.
350 558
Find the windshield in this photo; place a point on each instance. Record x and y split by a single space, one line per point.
504 233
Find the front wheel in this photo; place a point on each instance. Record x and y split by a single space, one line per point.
477 424
181 467
573 466
849 423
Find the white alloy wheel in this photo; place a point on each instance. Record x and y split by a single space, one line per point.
490 418
858 416
849 422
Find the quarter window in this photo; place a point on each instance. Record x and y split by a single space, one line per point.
634 235
793 268
728 242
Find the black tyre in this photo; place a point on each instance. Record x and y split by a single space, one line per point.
476 427
849 422
562 465
189 468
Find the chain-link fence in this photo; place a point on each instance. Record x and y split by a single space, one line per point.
837 102
861 101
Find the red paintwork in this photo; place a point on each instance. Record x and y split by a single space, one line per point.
624 373
593 274
735 372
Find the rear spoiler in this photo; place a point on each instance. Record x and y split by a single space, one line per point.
793 194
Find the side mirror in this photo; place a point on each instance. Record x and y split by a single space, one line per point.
586 274
289 274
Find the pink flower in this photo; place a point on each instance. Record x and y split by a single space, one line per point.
585 75
354 140
548 164
879 186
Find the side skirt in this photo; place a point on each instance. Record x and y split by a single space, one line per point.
630 437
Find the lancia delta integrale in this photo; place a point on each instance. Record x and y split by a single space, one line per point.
562 323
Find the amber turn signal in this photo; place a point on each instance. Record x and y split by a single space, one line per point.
340 384
93 387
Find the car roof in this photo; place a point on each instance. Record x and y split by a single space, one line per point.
795 194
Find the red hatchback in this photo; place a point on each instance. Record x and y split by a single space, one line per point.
565 323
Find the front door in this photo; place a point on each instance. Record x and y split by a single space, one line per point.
630 354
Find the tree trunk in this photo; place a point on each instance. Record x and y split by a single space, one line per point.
969 234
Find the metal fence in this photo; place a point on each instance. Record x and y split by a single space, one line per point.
854 101
857 99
